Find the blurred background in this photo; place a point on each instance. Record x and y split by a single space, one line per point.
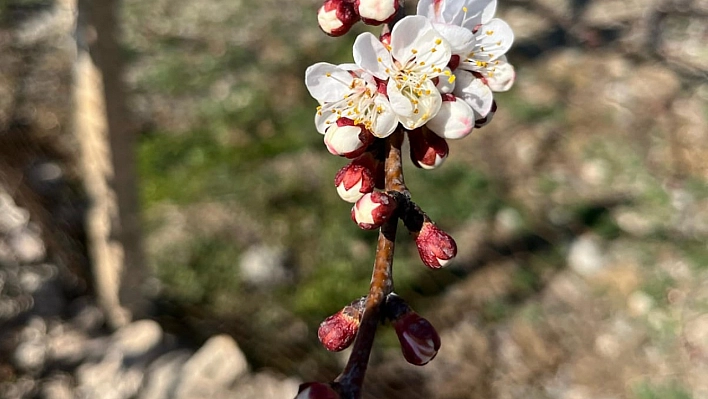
580 212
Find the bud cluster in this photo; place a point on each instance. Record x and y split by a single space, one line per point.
336 17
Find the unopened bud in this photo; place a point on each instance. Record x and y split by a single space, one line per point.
376 12
455 119
336 17
373 210
419 340
316 390
338 331
428 150
346 139
356 178
488 118
436 247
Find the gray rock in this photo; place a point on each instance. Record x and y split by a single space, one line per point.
137 339
212 369
27 245
585 256
11 217
57 387
265 386
29 356
264 266
19 389
31 352
162 375
67 346
107 379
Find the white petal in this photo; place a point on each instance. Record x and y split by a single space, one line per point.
474 92
342 140
455 120
479 12
493 40
461 40
431 9
371 55
326 82
502 76
386 121
399 103
378 10
454 11
352 195
433 53
409 33
324 118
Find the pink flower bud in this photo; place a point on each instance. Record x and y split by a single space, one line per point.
338 331
347 139
488 118
316 390
418 338
336 17
373 209
435 246
357 178
428 150
376 12
454 120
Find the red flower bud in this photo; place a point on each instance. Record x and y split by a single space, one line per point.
435 246
419 340
376 12
428 150
336 17
357 178
373 209
338 331
316 390
346 139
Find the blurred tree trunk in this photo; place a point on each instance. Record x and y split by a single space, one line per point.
108 144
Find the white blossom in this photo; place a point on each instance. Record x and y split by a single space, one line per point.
482 66
346 91
416 55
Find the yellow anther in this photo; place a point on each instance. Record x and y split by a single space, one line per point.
438 41
464 9
451 79
414 51
329 75
433 50
490 32
415 111
499 43
422 63
379 59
